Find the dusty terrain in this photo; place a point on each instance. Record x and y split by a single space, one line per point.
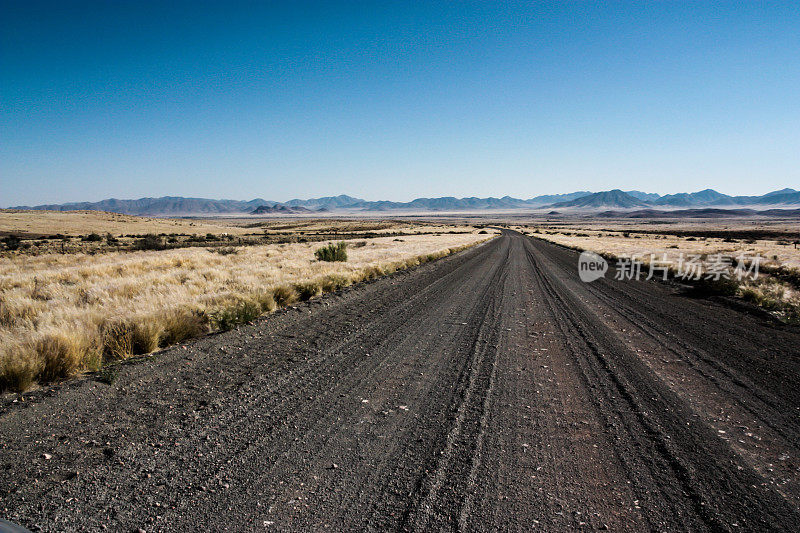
773 242
490 390
72 223
63 313
773 285
37 224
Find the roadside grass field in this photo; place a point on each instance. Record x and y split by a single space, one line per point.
61 314
43 232
776 289
75 223
29 223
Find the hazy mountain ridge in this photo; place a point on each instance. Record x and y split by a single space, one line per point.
614 199
280 209
166 205
706 212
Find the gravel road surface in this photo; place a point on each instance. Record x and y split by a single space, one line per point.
488 391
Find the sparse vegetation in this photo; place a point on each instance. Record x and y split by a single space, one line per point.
61 314
239 313
108 374
285 295
777 289
151 242
307 290
224 250
11 242
332 252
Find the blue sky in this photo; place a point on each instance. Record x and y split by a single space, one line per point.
395 100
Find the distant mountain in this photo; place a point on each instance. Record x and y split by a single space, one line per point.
710 197
614 198
700 198
780 192
548 199
166 205
280 210
175 206
330 202
707 212
646 196
785 197
449 203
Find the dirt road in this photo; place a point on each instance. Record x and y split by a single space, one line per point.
491 390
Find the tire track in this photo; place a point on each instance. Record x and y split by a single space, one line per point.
660 422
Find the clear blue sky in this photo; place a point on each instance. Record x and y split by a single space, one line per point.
390 100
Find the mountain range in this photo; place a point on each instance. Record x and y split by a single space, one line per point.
580 200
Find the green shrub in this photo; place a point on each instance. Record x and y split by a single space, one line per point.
12 242
332 252
722 286
239 313
93 237
308 290
150 242
108 374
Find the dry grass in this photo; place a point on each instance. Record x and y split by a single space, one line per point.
311 226
84 222
61 314
93 232
777 289
627 243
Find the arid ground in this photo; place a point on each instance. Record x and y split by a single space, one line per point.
489 390
97 300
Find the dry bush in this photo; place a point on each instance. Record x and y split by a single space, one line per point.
284 295
266 301
146 335
117 338
369 273
63 353
334 282
19 365
181 324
